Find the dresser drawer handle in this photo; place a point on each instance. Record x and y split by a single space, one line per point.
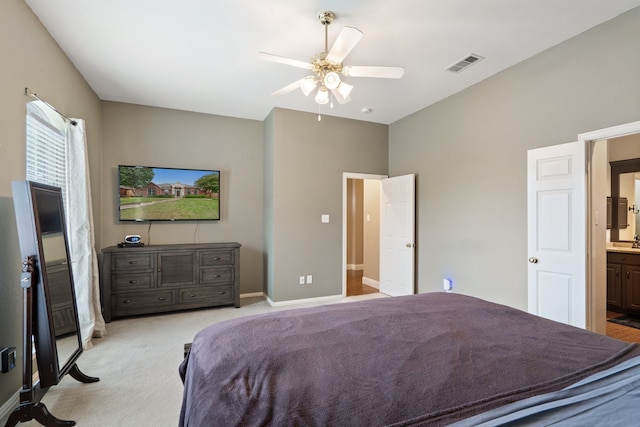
133 282
127 301
192 295
221 292
161 298
216 276
133 262
216 258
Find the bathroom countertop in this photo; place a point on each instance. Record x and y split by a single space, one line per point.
623 249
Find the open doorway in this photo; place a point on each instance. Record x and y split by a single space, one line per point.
620 233
361 234
390 243
598 236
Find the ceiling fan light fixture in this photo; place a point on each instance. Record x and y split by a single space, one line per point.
307 85
327 67
322 97
332 80
344 89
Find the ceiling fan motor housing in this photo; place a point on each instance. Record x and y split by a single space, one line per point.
326 17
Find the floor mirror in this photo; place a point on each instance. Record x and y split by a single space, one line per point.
51 326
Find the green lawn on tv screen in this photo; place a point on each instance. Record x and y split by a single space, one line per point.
169 208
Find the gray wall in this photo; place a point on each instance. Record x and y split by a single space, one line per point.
280 176
469 153
150 136
29 57
304 166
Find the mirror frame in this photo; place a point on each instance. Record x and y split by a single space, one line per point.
50 371
618 168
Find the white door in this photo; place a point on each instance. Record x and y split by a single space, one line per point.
556 193
397 235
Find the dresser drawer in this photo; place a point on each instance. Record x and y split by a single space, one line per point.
132 281
623 258
130 262
129 303
212 276
208 294
216 257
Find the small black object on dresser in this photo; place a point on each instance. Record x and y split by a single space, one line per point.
162 278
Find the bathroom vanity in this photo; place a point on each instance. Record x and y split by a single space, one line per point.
623 280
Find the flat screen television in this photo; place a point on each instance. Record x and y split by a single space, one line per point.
148 193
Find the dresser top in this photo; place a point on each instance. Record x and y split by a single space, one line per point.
173 247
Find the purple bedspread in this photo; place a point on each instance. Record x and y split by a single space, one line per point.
423 359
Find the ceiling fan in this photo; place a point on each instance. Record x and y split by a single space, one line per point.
327 67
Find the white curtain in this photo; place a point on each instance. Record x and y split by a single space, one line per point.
80 232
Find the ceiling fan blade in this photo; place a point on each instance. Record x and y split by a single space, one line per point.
373 71
288 88
346 41
283 60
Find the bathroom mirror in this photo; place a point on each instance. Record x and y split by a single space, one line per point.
625 185
628 191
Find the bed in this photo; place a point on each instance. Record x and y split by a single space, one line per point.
428 359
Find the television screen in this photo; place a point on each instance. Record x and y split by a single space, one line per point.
168 194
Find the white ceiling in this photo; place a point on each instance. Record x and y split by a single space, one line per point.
201 55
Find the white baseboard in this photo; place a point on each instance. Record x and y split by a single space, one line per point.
8 407
331 298
370 282
355 267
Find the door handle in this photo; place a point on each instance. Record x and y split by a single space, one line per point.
409 245
533 260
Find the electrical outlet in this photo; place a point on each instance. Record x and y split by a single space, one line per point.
302 280
309 279
8 356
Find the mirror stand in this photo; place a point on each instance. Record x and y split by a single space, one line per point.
30 407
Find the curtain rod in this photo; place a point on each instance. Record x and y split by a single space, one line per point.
34 95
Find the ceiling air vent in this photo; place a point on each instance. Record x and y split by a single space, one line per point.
470 59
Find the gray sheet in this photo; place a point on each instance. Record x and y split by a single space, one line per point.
609 398
431 358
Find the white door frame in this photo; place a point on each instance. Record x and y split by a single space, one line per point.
595 274
345 177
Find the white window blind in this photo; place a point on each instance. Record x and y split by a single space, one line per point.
46 149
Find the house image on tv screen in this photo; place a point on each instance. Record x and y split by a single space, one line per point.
168 194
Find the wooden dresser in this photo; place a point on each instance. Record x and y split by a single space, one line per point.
161 278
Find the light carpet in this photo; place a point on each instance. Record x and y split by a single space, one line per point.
137 363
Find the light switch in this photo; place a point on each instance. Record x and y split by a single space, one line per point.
325 218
